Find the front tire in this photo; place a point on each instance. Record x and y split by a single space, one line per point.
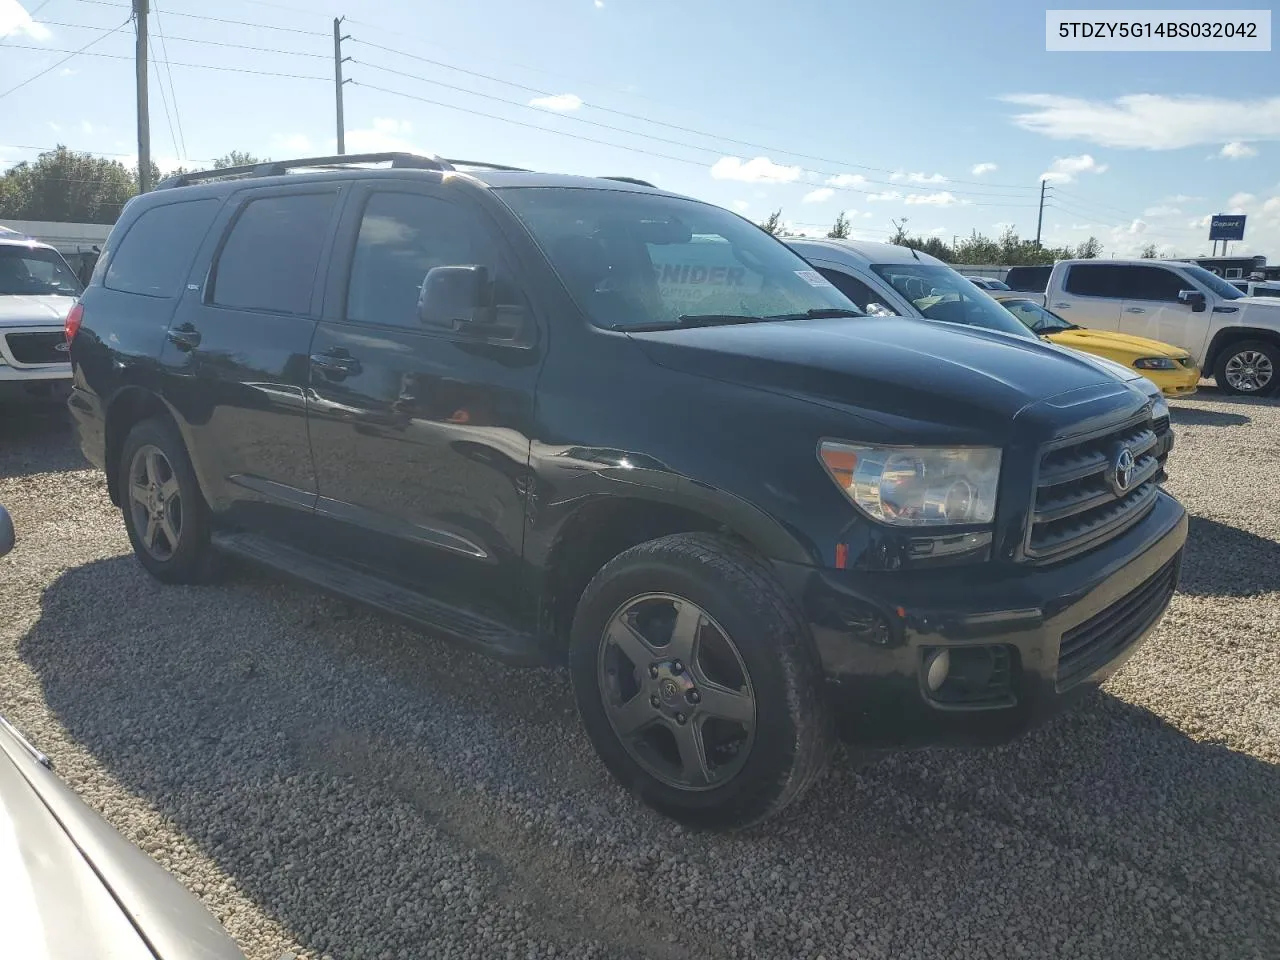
165 513
1248 368
698 682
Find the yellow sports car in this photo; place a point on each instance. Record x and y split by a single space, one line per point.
1169 368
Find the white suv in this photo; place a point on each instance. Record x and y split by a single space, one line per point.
37 291
1235 337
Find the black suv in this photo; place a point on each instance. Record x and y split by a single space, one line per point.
563 418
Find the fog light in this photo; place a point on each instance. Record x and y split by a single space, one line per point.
936 669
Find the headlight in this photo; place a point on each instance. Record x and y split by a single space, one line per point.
1159 408
1155 363
916 486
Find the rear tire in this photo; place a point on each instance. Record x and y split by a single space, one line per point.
165 513
1249 368
738 728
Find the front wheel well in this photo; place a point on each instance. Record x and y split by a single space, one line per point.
596 534
128 408
1225 337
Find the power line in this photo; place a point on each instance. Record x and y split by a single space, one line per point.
164 101
197 66
92 153
209 43
173 92
69 54
200 16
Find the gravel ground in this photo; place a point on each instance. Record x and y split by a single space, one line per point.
332 784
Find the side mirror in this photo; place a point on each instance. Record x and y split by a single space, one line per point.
1193 297
6 532
454 297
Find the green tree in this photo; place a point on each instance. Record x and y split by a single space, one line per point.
773 223
237 158
66 185
1150 252
840 229
1089 250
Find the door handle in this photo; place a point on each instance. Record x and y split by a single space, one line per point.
335 365
1134 310
185 337
1061 303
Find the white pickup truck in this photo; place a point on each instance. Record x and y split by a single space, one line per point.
1234 337
37 290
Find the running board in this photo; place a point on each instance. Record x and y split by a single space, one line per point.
470 629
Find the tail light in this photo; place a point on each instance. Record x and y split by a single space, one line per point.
72 325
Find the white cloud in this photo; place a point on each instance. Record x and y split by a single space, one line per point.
1241 202
943 199
1161 210
741 206
1065 169
385 135
1237 150
15 20
54 126
757 170
920 178
868 215
559 102
978 169
1148 121
599 4
1198 222
1181 198
86 127
1272 207
67 72
846 180
886 195
817 196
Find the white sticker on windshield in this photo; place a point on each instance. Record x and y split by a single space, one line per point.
813 278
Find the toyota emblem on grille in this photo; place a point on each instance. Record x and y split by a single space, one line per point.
1122 468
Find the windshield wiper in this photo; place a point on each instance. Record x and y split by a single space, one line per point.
819 313
691 320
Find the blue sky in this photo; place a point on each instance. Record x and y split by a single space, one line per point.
945 113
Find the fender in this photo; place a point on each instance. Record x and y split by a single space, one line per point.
1228 333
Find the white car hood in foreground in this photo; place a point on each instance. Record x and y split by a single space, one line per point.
23 311
52 904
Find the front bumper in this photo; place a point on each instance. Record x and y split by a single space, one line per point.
876 631
1182 382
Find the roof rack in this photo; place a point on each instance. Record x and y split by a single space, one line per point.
637 182
483 165
273 168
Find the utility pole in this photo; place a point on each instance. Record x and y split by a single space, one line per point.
338 60
140 11
1040 218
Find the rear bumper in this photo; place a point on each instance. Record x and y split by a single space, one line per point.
875 633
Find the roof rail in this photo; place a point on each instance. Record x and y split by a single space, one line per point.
272 168
482 165
638 183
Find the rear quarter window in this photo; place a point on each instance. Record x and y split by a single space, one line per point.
155 255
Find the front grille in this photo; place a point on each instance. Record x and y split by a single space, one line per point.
1102 637
1078 503
38 347
1160 426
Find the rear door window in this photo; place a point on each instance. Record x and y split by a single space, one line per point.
155 255
269 260
851 287
1093 280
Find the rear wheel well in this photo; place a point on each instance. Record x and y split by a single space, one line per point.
595 535
128 409
1225 338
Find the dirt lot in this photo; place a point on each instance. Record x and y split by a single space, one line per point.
332 784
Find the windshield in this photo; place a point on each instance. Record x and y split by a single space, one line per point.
1035 317
1214 282
35 271
939 293
643 260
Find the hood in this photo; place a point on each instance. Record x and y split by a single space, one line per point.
55 907
1085 339
933 372
25 311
